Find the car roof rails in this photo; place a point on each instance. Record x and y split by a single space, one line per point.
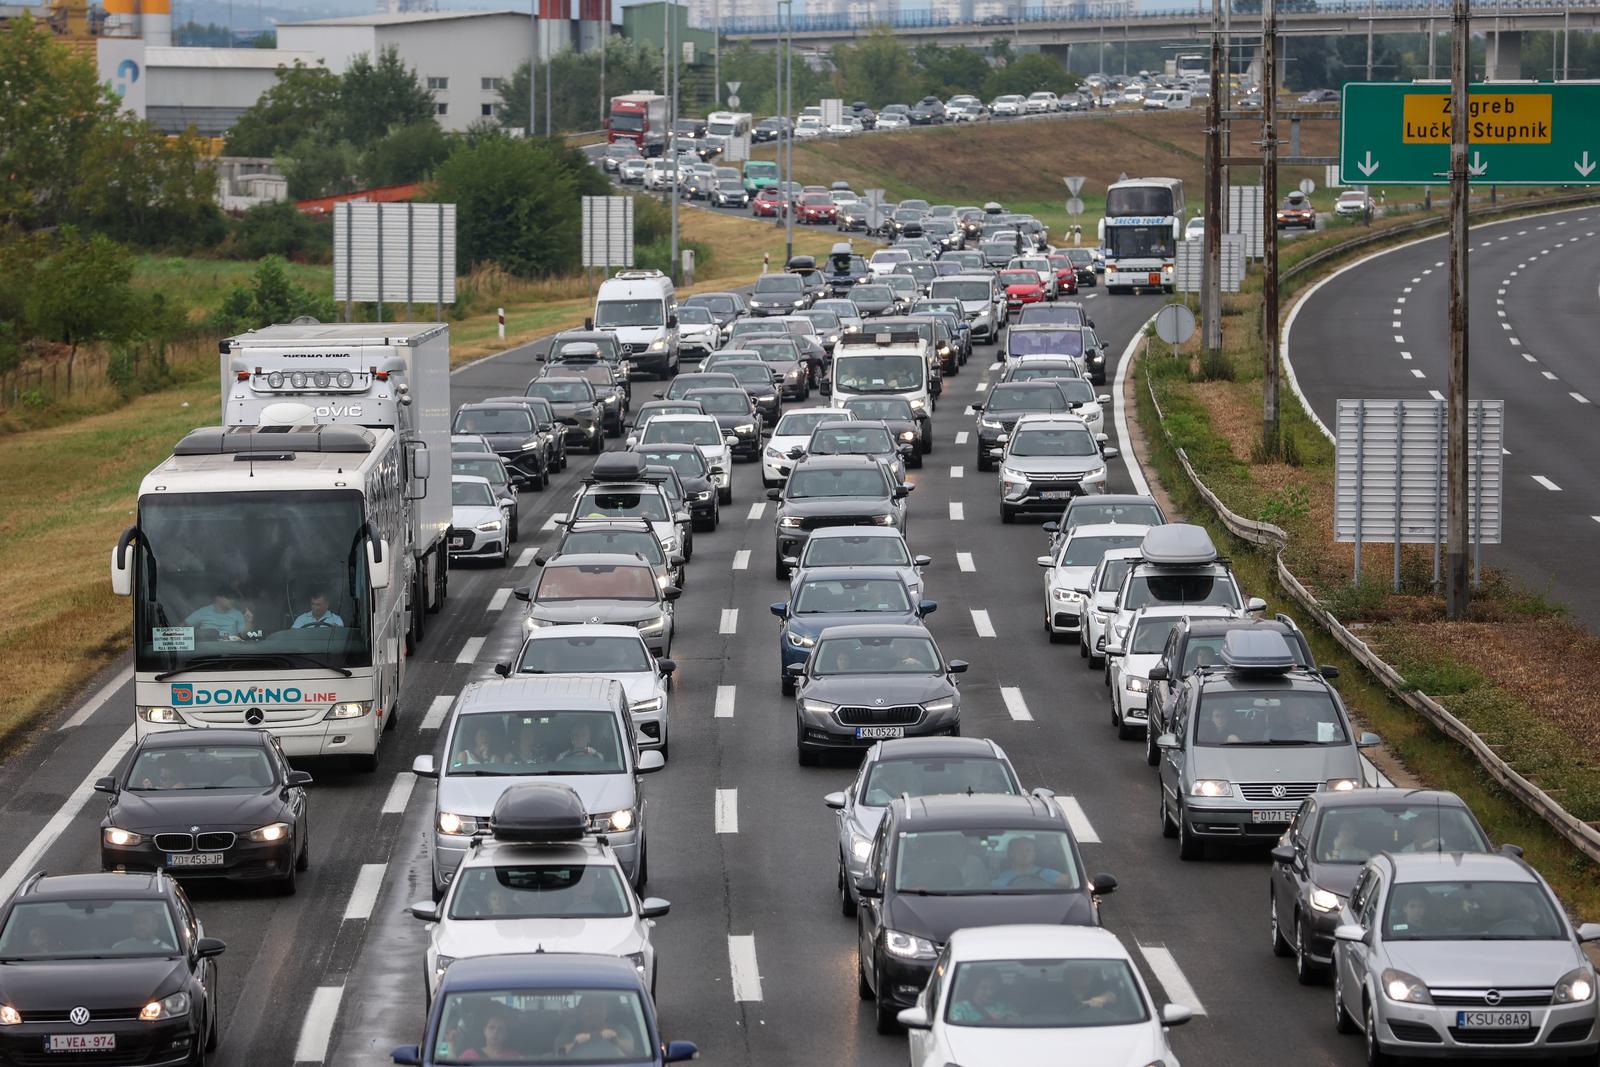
30 883
881 338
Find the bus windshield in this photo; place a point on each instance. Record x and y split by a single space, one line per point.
1139 242
879 374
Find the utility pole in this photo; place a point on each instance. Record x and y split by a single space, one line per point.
533 75
605 39
1433 38
716 53
1372 20
1269 205
788 147
549 96
672 128
1458 535
1211 295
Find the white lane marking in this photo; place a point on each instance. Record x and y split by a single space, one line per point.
1548 376
1501 313
1547 483
399 794
1507 326
969 410
1502 238
1513 274
741 560
1400 300
1435 394
724 707
53 830
958 472
727 811
549 524
1399 340
1119 415
1082 828
525 559
742 962
1516 342
757 509
1428 271
1522 233
316 1032
1579 397
364 895
981 386
957 511
1596 518
1396 324
1417 373
1015 705
1529 357
1500 292
1407 289
980 622
469 651
498 601
730 621
1414 281
436 712
961 437
98 701
1404 354
964 559
1170 975
1091 296
995 365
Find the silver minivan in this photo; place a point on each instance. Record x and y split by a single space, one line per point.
574 731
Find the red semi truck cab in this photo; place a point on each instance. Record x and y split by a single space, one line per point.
639 118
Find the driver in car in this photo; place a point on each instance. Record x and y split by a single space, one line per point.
579 746
1022 854
591 1029
319 615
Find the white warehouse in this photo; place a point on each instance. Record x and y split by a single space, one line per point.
461 56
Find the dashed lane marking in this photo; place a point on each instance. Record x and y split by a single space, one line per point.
1548 376
525 558
469 650
724 705
1435 394
1529 357
364 894
1170 975
53 830
756 511
1579 397
961 437
958 472
316 1032
1082 828
742 963
498 601
436 712
1016 706
1417 373
730 621
1399 340
549 524
727 811
981 623
741 560
1547 483
957 511
964 559
1404 354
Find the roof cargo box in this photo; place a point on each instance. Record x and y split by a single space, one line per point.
1257 652
619 467
1178 544
539 811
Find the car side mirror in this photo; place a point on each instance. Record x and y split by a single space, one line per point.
1050 526
540 358
958 666
907 449
915 1018
426 910
997 453
105 785
901 492
795 670
503 669
1110 452
927 607
834 801
666 666
780 609
1158 673
654 907
1328 671
1044 561
676 560
1103 398
411 1054
1349 932
678 1051
671 592
650 761
1589 932
659 396
1284 854
1175 1014
867 886
1103 884
1368 739
921 561
631 442
730 440
297 779
423 767
791 562
774 494
1167 741
209 947
1511 850
796 452
1255 604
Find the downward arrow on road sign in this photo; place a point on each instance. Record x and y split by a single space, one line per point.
1478 167
1369 166
1585 168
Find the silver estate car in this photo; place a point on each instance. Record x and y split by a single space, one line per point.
1458 955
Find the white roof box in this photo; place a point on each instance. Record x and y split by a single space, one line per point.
1257 652
1178 544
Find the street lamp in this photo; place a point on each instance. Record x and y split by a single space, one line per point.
786 146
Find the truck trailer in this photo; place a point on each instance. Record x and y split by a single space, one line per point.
639 118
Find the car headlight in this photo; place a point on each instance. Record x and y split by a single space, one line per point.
1575 987
1342 785
349 709
817 707
489 527
532 622
653 626
1121 629
9 1016
1096 475
801 640
441 963
165 1008
1066 596
612 399
1323 900
619 821
669 545
1404 988
939 707
1211 787
266 835
645 705
746 427
637 959
919 405
773 453
789 522
160 715
800 303
880 520
1138 685
531 443
860 847
908 435
763 398
658 345
991 424
907 946
115 835
703 496
453 825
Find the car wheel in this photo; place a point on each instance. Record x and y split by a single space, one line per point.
1376 1057
644 866
786 683
1125 730
1083 643
1306 971
1342 1021
289 882
1280 945
1152 754
984 463
915 462
863 987
1008 514
804 756
725 495
1055 638
212 1030
598 443
847 903
303 860
505 552
886 1017
1167 827
779 569
1189 846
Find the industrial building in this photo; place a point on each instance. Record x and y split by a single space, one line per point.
209 88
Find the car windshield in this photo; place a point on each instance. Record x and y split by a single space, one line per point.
1155 587
807 484
613 542
926 776
688 461
972 862
851 441
1150 636
1089 551
853 551
839 595
779 283
490 744
542 1025
1044 343
1025 398
719 403
1111 576
93 928
1268 717
891 255
1031 372
596 581
471 495
486 468
774 350
1206 651
824 321
622 503
900 283
1044 994
596 373
676 432
1080 256
801 423
890 409
871 294
493 420
879 374
961 290
1356 834
583 655
685 384
877 655
763 170
195 767
576 348
1078 390
563 390
1136 513
695 316
540 891
722 305
1471 911
629 313
1053 442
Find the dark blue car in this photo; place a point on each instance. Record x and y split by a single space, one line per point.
544 1008
821 597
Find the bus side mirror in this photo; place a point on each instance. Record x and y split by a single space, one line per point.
378 563
122 564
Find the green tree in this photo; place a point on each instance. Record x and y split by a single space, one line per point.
270 297
877 69
377 97
317 167
136 184
82 292
406 154
1031 73
303 98
281 230
517 204
578 100
947 71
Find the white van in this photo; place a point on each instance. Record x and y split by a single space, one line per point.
641 308
891 363
1168 100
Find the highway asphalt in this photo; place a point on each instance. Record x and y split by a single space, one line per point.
333 975
1378 330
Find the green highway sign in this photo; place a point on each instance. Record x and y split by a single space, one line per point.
1398 133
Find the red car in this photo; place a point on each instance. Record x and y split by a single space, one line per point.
1022 287
1066 275
770 203
816 208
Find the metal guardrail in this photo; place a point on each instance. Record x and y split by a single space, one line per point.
1579 834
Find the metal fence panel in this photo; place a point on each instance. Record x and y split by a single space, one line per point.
608 231
1244 217
398 253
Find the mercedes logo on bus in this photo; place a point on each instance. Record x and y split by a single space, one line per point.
254 716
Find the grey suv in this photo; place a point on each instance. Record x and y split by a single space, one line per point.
1247 742
833 491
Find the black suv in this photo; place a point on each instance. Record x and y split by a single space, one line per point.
512 433
106 968
610 390
576 407
695 474
942 863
